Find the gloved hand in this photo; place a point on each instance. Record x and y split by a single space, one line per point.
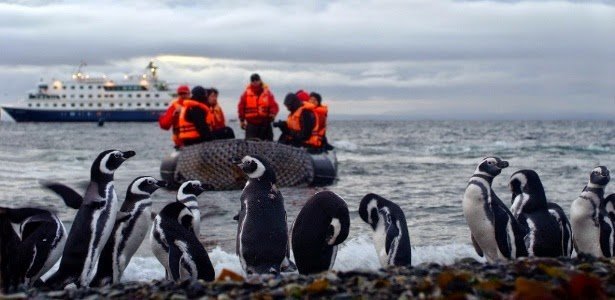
242 124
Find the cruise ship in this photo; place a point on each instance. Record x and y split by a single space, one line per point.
137 98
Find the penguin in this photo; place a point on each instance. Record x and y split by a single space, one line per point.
391 236
186 257
322 224
186 194
262 234
93 223
589 216
38 238
496 233
548 232
129 230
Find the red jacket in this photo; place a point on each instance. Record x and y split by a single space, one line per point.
166 120
273 106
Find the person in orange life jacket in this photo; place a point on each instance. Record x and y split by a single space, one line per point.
321 112
218 128
257 108
169 118
300 133
195 119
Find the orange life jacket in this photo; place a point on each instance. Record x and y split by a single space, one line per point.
218 116
187 130
294 123
321 113
257 106
177 108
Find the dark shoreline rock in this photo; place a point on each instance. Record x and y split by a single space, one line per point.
584 277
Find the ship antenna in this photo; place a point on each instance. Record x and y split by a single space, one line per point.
80 75
153 69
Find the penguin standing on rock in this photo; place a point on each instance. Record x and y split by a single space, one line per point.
391 236
186 257
589 216
131 227
187 195
548 230
37 242
262 234
495 231
322 224
93 223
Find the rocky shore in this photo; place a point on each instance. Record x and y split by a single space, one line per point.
583 277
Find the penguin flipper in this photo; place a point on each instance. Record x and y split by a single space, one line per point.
479 251
175 255
71 198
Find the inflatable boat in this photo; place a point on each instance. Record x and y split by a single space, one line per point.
210 163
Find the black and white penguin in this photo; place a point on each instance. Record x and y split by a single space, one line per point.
589 217
495 231
37 243
131 227
187 194
391 236
262 234
548 232
185 258
322 224
93 223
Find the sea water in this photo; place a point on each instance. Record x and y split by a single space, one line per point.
423 166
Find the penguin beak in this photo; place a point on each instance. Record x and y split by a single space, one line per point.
236 160
502 164
161 183
128 154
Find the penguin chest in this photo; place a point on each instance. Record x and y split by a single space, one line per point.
481 227
585 226
380 237
159 244
132 235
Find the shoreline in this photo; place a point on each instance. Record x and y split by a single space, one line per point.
583 277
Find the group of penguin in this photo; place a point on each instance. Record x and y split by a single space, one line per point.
104 235
534 226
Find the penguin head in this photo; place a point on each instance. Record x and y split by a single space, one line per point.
190 188
179 212
335 208
256 167
107 162
528 194
491 166
374 208
145 185
600 176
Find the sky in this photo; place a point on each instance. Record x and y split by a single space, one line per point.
401 59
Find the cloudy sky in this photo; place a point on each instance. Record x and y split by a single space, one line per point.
393 58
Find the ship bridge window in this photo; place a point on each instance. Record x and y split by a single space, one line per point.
127 87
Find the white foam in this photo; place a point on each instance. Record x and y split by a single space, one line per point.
345 145
356 253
